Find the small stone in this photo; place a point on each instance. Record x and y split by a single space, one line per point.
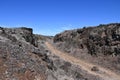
94 68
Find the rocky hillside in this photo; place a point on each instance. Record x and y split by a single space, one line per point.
24 56
96 44
81 54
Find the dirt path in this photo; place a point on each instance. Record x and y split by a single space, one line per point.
105 74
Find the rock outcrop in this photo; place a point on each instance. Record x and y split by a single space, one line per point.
18 59
100 44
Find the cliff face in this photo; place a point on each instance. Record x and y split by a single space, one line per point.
101 44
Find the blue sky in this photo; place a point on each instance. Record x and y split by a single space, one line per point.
49 17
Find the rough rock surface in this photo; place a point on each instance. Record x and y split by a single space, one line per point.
99 44
24 56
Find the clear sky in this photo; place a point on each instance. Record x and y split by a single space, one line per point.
49 17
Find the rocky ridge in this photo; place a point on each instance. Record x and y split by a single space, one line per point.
96 44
